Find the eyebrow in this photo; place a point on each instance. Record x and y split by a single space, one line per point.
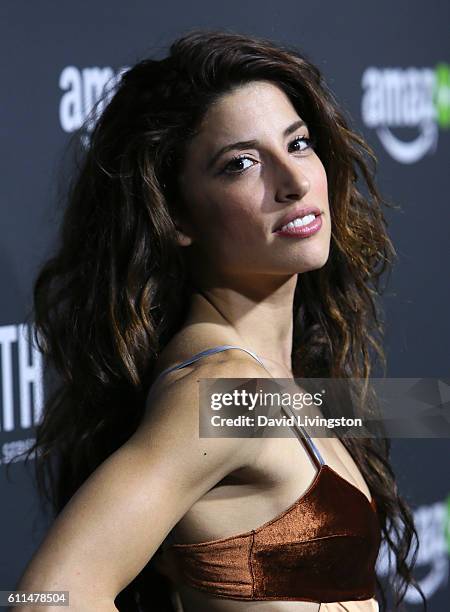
247 144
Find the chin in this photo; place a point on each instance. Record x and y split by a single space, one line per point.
315 262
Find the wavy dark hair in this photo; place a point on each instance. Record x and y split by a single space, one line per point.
104 304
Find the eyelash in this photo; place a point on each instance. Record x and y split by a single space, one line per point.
310 142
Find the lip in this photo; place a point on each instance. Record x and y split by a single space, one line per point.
299 211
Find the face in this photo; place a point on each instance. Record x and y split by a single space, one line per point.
236 195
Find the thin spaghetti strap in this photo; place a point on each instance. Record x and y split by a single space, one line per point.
210 351
305 438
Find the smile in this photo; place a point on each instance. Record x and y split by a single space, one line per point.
302 227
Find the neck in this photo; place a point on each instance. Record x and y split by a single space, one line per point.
258 319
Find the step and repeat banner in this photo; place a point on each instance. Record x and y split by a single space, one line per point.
388 65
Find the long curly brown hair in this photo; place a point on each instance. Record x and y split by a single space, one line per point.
104 304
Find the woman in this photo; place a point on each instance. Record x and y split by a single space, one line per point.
177 263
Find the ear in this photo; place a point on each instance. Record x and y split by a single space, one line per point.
183 236
183 239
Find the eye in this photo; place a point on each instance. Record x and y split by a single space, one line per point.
234 161
303 139
239 160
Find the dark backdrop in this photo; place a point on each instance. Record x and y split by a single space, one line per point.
386 63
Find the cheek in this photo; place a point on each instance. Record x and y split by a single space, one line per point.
218 222
235 210
320 178
241 218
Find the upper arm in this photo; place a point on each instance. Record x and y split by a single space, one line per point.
118 518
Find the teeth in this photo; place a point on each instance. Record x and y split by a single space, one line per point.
299 222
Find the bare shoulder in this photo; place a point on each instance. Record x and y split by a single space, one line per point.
172 417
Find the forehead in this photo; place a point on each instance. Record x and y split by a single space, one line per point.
247 112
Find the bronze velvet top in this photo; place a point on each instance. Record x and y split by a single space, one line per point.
323 548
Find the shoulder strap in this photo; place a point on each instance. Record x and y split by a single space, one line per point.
210 351
304 437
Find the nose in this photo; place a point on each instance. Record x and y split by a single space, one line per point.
292 183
